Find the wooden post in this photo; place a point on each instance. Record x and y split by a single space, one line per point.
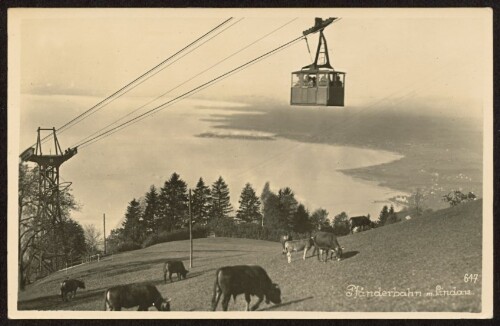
190 233
104 227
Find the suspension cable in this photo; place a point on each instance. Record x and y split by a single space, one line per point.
186 81
125 88
192 91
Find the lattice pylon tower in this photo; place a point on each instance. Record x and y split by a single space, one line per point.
49 204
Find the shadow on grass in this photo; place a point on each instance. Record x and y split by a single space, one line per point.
285 304
349 254
54 302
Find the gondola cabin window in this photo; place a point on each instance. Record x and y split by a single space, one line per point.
324 88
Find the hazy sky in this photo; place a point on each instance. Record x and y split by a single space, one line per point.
384 52
61 62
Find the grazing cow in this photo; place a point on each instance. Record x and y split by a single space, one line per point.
283 239
132 295
244 279
332 253
69 287
298 245
361 222
326 241
174 266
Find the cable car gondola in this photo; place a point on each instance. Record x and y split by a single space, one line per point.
318 83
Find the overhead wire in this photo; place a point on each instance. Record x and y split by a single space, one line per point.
186 81
124 89
192 91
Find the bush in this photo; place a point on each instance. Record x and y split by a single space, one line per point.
176 235
127 246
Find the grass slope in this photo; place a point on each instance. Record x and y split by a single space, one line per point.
419 254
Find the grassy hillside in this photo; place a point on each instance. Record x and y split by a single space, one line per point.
419 254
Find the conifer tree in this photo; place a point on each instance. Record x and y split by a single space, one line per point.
384 214
288 206
249 210
132 227
301 220
220 204
151 210
200 205
174 202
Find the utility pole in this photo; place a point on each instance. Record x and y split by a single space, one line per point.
190 233
104 227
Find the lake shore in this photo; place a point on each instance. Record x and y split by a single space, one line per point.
438 152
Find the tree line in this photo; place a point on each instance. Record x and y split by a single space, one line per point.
162 215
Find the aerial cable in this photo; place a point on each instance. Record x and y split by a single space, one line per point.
165 66
186 81
123 90
142 81
193 91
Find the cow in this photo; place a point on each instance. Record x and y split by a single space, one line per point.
244 279
361 222
283 239
332 253
69 287
132 295
174 266
326 241
298 245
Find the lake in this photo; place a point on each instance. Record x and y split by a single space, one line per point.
108 174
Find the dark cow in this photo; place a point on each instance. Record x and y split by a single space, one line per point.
174 266
360 221
326 241
244 279
283 239
132 295
298 245
69 287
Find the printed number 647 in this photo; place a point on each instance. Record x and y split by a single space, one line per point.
472 278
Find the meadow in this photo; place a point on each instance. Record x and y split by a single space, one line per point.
429 254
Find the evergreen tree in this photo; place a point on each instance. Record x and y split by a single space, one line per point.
151 211
273 214
220 203
249 210
384 214
288 206
200 205
301 220
174 201
132 227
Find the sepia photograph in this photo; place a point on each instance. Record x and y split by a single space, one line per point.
298 163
